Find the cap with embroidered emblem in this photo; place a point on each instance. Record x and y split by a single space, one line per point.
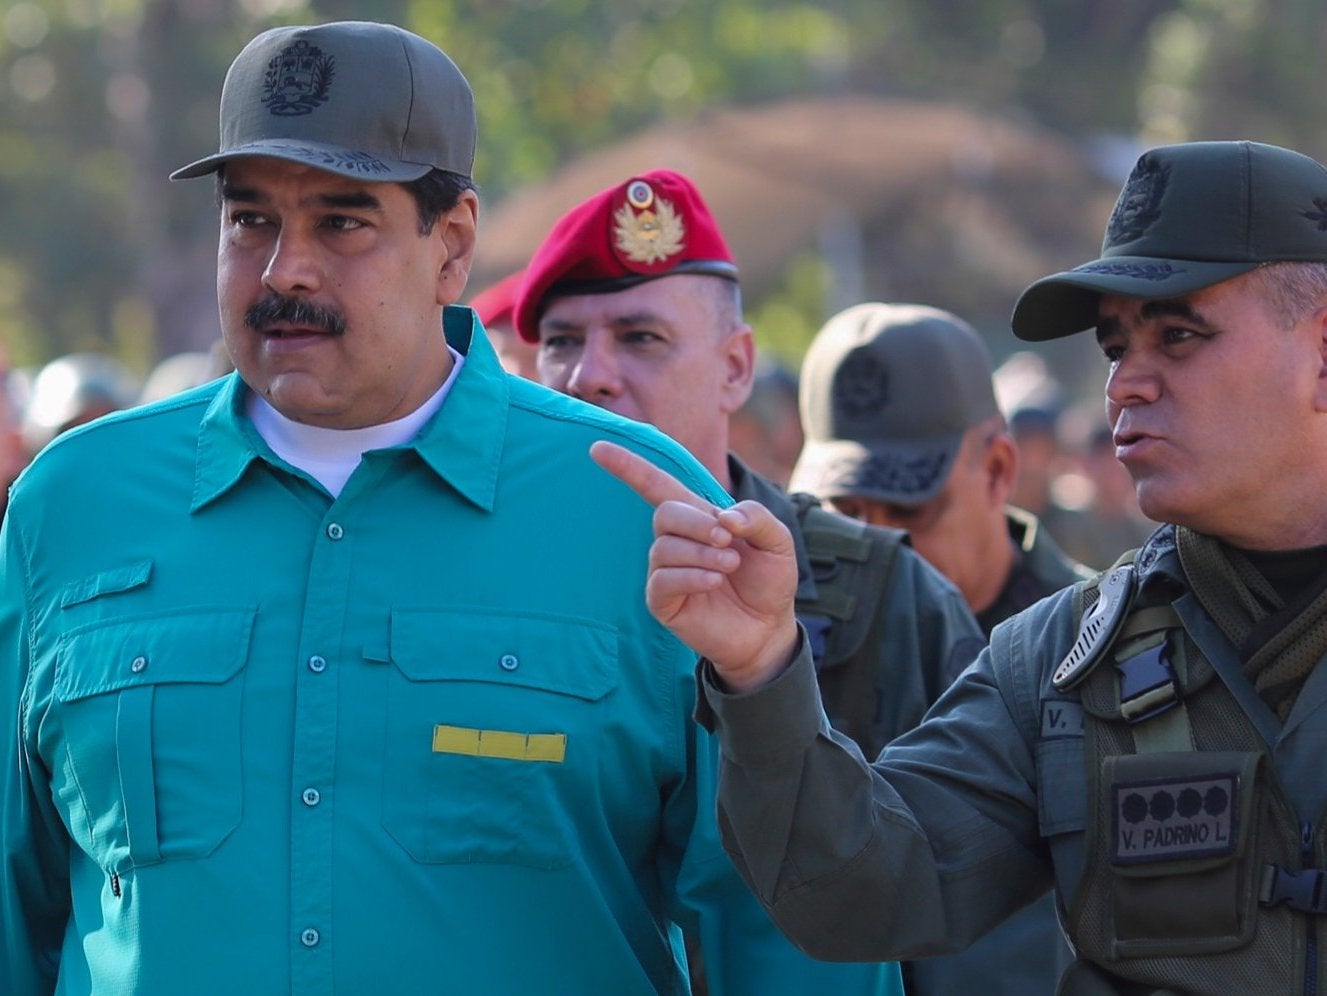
887 393
650 226
356 98
1189 216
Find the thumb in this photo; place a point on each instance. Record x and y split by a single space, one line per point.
758 527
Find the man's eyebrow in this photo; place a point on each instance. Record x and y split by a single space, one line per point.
233 192
1167 307
635 319
360 200
1174 307
558 325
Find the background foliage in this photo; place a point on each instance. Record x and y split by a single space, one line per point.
100 99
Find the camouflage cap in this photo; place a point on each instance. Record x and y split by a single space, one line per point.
1189 216
887 393
357 98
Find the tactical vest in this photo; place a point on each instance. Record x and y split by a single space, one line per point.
850 564
1197 875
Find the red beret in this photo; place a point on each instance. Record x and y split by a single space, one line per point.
494 303
653 225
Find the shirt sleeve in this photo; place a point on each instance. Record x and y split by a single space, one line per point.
34 850
917 854
744 953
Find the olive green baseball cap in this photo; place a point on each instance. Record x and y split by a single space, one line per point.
1189 216
357 98
887 393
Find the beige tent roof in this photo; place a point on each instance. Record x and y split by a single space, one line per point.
943 205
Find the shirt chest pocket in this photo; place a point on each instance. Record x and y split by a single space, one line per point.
492 726
145 734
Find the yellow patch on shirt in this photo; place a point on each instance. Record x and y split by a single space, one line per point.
500 743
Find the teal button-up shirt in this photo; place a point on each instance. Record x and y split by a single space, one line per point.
424 737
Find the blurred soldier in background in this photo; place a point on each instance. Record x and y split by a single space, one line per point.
72 390
766 432
903 430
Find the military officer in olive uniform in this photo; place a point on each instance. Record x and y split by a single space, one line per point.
1149 742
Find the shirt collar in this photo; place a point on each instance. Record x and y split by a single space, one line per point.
461 443
1158 561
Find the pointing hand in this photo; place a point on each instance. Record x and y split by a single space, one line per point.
722 581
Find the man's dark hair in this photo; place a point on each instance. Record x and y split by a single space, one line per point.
436 193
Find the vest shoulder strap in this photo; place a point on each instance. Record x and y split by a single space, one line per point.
1110 624
851 564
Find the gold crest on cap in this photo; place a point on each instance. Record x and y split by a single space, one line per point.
649 236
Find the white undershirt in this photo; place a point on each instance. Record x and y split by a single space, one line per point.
330 456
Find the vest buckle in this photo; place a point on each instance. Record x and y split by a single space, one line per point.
1300 890
1148 686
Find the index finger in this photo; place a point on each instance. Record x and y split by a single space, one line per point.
652 483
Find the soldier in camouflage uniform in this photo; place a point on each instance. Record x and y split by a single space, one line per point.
634 301
1150 742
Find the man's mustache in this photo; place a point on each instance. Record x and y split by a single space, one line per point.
294 311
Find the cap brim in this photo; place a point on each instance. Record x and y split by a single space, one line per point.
905 473
1066 303
331 158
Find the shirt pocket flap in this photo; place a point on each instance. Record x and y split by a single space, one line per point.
106 583
207 646
565 655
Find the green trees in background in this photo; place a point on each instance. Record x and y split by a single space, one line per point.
99 99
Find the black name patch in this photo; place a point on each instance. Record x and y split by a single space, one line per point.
1175 819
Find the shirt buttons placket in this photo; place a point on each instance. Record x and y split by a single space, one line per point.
334 531
309 937
311 796
317 664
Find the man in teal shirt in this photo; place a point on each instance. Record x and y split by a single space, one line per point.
321 679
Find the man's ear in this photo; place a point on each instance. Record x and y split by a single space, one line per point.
739 360
456 229
1001 465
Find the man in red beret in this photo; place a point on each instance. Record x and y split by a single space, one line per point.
634 301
